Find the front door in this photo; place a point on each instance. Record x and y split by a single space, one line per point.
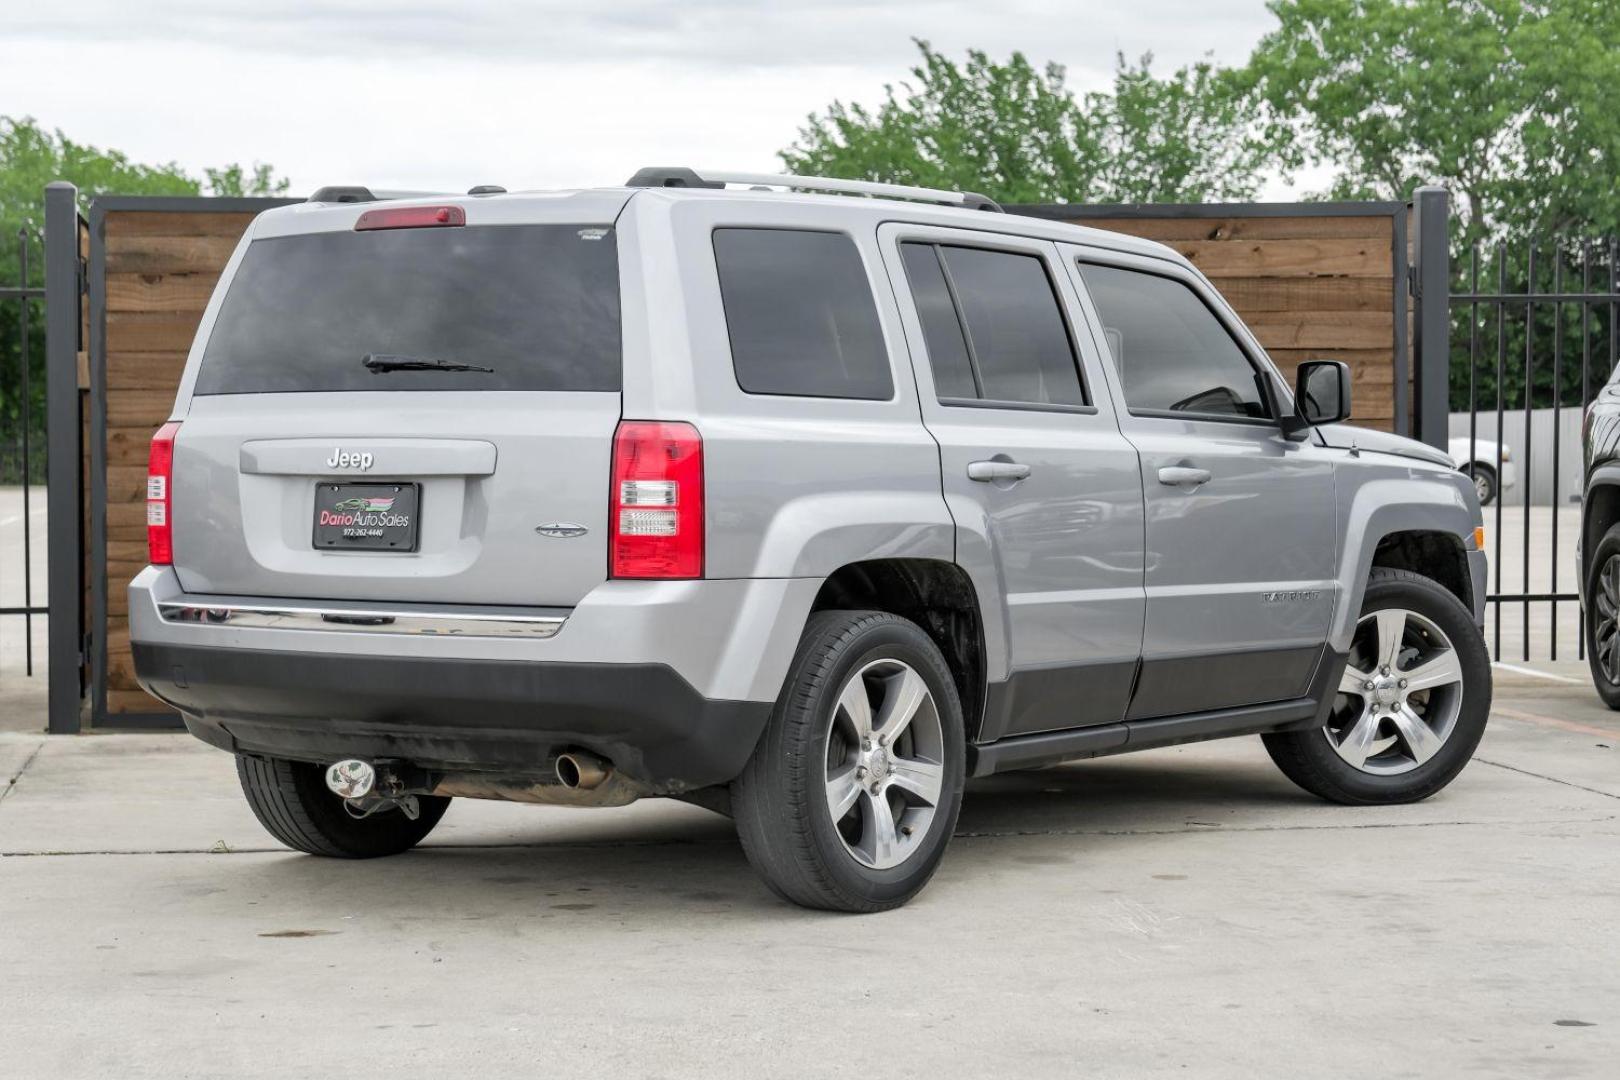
1242 534
1044 489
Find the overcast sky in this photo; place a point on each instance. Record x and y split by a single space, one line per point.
407 93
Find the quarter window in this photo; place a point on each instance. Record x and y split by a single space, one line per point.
993 326
800 314
1172 353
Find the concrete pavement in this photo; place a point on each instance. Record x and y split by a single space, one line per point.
1181 912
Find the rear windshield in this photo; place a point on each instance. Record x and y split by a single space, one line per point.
538 305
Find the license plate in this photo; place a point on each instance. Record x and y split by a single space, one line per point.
366 517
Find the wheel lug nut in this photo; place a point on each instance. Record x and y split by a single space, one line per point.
866 744
860 772
1368 685
1383 671
1403 684
876 787
883 740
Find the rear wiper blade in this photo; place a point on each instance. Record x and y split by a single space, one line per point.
377 363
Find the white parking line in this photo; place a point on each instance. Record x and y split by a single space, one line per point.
1517 670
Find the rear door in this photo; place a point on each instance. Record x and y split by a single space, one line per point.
1045 490
406 413
1242 528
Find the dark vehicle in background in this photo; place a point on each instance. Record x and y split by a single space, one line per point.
1599 553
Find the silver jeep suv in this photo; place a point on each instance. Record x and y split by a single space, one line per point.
800 506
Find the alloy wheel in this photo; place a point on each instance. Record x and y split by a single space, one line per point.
1482 487
885 763
1400 695
1606 619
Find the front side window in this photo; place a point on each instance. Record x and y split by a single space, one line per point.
1172 353
800 314
993 326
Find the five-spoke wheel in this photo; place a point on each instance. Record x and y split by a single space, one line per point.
1400 694
885 763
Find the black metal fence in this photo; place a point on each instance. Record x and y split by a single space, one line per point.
22 443
1534 336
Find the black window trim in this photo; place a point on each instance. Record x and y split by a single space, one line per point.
1192 285
937 242
883 332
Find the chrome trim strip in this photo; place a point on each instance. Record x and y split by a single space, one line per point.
361 620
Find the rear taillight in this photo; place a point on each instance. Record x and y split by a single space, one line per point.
159 500
656 521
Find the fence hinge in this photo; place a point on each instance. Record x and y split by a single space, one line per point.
1414 282
84 276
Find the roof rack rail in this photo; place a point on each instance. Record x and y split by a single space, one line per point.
684 177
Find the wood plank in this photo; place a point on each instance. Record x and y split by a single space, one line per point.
127 514
145 370
134 701
167 254
129 445
1324 329
133 408
160 292
1358 359
151 331
126 483
1239 228
1289 258
1249 295
177 223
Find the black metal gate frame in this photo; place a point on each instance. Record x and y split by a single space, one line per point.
64 293
23 294
1501 299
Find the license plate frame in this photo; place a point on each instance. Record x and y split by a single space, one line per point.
364 517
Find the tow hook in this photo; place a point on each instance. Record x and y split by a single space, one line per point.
356 782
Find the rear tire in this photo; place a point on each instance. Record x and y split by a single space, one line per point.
291 801
836 819
1376 752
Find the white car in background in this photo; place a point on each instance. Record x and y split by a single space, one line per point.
1487 480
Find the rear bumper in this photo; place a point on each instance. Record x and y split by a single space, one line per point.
670 680
501 716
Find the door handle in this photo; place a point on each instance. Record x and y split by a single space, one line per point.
1177 475
990 471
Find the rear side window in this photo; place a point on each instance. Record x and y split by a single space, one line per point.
1172 353
537 304
800 314
993 326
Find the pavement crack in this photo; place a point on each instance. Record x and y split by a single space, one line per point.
11 781
1544 776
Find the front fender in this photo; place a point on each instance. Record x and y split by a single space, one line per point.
1387 498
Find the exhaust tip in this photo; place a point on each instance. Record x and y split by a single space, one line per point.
580 771
351 778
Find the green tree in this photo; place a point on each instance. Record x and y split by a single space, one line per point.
1018 134
233 180
1509 103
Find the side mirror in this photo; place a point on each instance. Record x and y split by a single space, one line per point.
1321 395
